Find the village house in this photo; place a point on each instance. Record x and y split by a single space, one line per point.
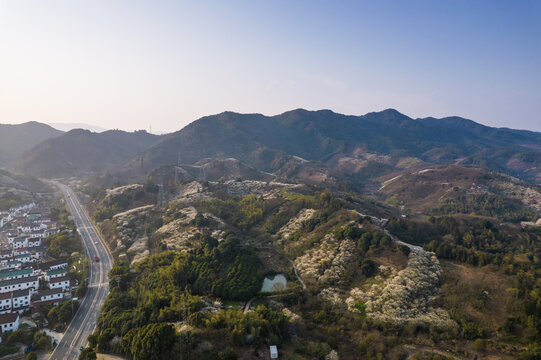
9 322
20 242
23 258
5 302
51 294
16 274
62 282
20 300
34 242
53 265
11 235
30 282
10 265
56 273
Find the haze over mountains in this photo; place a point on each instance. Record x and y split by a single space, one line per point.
82 152
71 126
314 143
16 139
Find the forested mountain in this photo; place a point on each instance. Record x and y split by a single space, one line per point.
326 137
16 139
441 257
81 152
190 275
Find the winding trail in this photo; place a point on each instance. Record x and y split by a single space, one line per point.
248 304
298 276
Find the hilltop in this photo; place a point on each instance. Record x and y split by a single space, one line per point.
337 146
82 152
16 139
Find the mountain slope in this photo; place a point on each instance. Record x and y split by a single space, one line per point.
16 139
80 152
18 189
264 141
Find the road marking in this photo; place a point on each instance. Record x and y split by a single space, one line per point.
88 233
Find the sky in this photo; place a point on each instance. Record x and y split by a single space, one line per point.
159 65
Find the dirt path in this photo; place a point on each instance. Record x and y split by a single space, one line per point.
298 276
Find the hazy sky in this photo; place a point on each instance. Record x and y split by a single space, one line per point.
132 64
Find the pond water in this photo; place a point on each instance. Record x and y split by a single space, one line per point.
277 283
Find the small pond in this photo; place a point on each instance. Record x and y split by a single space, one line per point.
277 283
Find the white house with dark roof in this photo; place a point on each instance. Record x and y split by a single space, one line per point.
5 302
31 282
53 265
18 301
25 228
16 274
34 242
62 282
9 322
20 242
37 253
10 265
50 294
56 273
11 234
23 258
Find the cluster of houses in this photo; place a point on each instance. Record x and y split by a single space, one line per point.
27 278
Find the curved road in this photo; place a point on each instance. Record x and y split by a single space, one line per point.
85 319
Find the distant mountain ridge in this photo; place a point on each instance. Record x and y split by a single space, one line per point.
15 139
311 146
71 126
269 142
82 152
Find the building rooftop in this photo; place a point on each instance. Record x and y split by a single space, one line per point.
8 318
47 265
10 273
19 293
59 279
19 281
46 292
56 272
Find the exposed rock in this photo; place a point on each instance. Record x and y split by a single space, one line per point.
332 296
123 189
139 249
140 256
265 188
528 196
125 214
407 295
186 215
333 355
190 189
130 229
178 233
190 193
294 318
295 223
327 263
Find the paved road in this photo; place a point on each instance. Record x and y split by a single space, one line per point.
84 321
